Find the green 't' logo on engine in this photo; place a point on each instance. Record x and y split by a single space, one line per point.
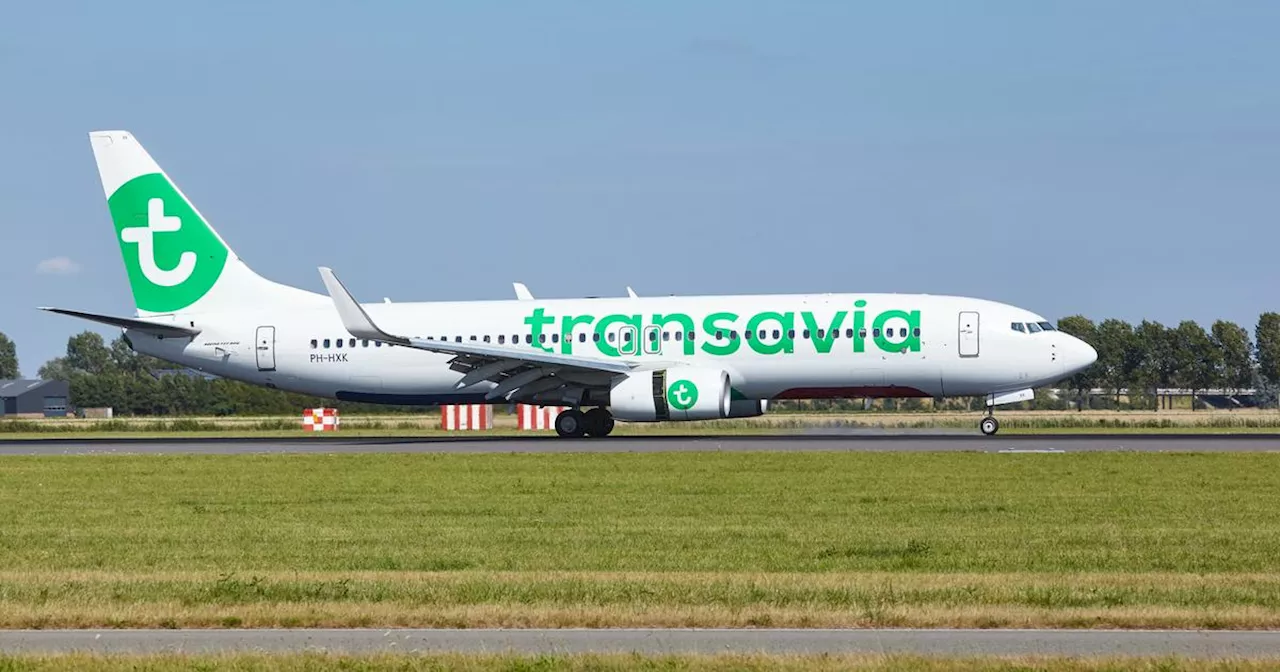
682 395
172 256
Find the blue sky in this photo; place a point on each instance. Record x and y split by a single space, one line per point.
1112 159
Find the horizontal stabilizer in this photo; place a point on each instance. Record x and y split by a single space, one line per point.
156 328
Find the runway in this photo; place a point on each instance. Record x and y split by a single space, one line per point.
849 442
1202 644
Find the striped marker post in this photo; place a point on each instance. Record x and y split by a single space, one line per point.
535 418
466 417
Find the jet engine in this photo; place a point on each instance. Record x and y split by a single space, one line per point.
682 393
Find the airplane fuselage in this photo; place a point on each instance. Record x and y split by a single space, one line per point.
772 346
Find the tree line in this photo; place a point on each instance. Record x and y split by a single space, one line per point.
1137 358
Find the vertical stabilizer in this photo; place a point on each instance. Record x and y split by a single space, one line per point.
176 262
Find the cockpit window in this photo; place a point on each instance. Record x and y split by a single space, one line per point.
1033 327
1017 326
1047 326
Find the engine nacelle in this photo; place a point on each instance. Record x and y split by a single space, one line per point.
747 408
682 393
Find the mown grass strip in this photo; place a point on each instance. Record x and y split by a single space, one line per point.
520 599
306 662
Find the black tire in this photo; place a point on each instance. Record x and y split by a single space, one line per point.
599 422
989 426
571 424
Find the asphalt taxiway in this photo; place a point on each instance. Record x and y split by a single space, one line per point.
1216 644
865 442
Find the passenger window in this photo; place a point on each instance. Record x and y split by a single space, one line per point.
862 333
351 342
848 333
627 337
582 338
502 339
875 332
528 338
733 335
763 332
902 332
326 343
313 344
364 343
916 332
555 338
339 342
377 344
805 333
691 335
473 338
486 338
653 336
820 333
666 335
595 337
611 337
791 333
719 334
679 335
542 338
1033 327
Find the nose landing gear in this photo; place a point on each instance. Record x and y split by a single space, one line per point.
989 425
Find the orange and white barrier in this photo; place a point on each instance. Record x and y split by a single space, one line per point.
534 418
465 417
320 419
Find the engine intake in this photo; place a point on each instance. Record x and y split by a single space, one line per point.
683 393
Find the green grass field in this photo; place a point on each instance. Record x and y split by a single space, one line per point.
736 539
604 663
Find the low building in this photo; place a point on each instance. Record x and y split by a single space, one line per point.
30 398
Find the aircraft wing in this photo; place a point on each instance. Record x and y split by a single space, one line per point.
518 371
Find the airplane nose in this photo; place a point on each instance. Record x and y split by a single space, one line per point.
1077 355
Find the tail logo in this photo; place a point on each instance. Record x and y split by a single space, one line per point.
144 238
172 256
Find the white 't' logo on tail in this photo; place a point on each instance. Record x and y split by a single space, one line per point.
143 236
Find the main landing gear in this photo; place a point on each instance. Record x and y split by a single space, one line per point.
573 423
989 424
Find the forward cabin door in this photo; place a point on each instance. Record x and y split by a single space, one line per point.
265 346
968 334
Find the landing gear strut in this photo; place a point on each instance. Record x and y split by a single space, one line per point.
989 424
574 424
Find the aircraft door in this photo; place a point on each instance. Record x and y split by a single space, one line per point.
265 347
968 337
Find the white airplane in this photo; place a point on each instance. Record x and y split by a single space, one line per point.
637 359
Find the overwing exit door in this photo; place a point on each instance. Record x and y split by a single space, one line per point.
265 347
968 334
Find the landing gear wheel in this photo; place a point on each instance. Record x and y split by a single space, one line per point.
989 425
599 422
571 424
